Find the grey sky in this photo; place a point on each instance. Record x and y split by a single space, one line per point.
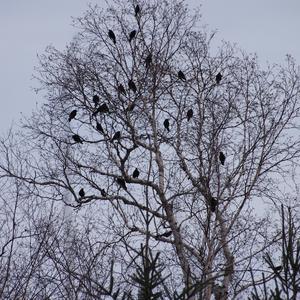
268 27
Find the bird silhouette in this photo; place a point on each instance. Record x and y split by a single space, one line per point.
148 60
77 138
96 100
218 78
167 124
132 85
81 193
165 234
116 136
213 204
132 35
103 193
181 76
112 36
103 108
72 115
99 127
121 89
130 106
136 173
222 158
189 114
137 10
121 182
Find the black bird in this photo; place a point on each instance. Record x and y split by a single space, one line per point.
121 89
136 173
222 158
103 193
72 115
213 204
96 100
103 108
112 36
130 106
148 60
81 193
99 127
77 138
218 78
189 114
121 182
137 10
116 136
167 124
132 85
132 35
181 76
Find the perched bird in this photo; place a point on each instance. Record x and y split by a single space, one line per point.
222 158
189 114
116 136
132 35
112 36
103 108
167 124
103 193
77 138
121 89
137 10
99 127
72 115
96 100
81 193
213 204
132 85
130 106
121 182
218 78
135 173
181 76
148 60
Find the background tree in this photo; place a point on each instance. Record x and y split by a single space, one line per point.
210 134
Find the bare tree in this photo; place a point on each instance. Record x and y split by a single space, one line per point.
167 140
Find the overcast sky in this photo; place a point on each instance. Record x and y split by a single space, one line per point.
267 27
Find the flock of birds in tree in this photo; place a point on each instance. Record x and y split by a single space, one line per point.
103 108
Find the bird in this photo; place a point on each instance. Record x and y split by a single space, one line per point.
135 173
96 100
167 124
165 234
218 78
103 108
99 127
222 158
77 138
116 136
121 182
121 89
189 114
112 36
81 193
103 193
213 204
72 115
130 106
148 60
137 10
132 35
181 76
132 85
